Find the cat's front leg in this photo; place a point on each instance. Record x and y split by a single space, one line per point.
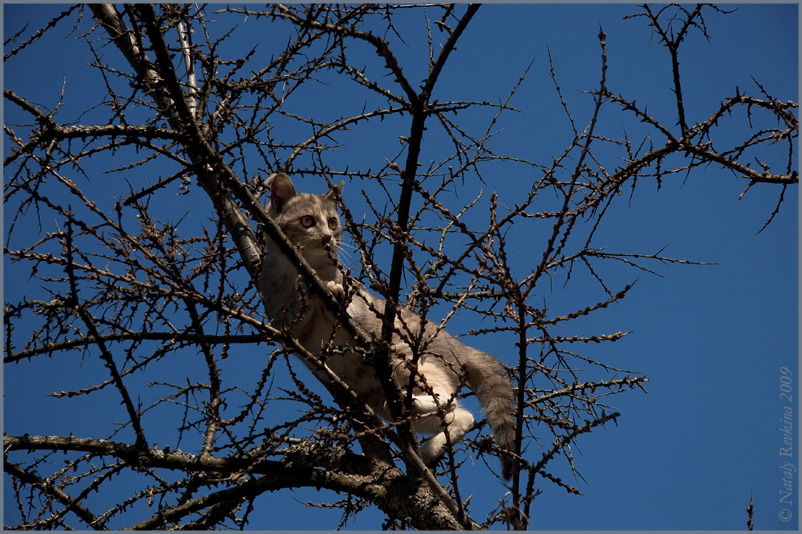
337 290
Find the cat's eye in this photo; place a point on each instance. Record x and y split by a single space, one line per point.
307 221
333 222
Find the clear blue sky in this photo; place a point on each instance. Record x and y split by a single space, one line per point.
712 340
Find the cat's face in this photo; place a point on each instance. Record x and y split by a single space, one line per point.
310 221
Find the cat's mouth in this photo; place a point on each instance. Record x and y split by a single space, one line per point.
320 250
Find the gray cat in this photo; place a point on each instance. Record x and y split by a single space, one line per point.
312 224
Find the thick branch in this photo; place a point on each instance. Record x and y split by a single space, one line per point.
335 469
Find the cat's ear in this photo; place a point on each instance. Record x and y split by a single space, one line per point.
281 189
335 193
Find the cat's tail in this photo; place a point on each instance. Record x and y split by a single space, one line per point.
488 379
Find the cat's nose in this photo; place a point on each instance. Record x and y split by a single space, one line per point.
326 239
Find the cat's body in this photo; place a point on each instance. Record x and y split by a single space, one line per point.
444 365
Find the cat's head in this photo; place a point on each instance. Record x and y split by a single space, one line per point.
308 220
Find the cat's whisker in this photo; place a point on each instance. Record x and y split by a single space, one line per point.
345 255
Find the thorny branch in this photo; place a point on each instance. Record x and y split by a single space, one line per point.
132 276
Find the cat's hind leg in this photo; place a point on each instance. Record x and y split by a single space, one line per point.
429 404
457 423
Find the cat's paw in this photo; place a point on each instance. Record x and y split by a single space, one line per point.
336 290
425 404
433 449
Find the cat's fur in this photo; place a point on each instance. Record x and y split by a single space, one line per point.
312 224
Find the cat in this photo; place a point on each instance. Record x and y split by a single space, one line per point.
312 224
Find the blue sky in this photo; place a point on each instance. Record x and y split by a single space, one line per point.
713 340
